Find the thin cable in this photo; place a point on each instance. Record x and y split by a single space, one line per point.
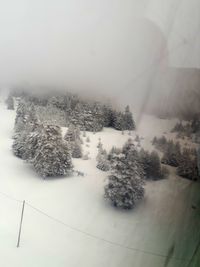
101 238
10 197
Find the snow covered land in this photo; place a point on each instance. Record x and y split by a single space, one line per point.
68 223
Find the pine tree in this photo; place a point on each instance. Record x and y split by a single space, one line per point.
19 144
154 141
118 121
21 116
10 103
31 143
125 184
172 154
102 160
76 150
137 138
52 157
188 167
155 170
72 134
88 139
129 123
26 118
114 150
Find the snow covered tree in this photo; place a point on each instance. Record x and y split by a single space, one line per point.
114 150
21 116
99 145
160 143
172 154
107 116
19 144
154 141
25 123
188 167
102 160
179 127
52 157
10 102
85 156
118 122
88 139
76 149
155 170
137 138
129 123
72 134
31 143
125 183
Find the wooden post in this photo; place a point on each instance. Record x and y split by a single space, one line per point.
20 226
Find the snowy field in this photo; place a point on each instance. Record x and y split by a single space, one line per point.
83 229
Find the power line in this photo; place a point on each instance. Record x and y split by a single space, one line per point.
101 238
93 235
10 197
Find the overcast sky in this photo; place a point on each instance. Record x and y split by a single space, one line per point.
100 45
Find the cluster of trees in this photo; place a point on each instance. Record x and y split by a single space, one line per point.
41 145
128 170
65 109
184 160
190 129
188 165
151 163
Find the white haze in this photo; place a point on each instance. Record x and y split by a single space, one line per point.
111 47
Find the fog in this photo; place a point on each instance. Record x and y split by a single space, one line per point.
110 47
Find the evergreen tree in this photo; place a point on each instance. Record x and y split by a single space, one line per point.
155 170
19 144
88 139
188 166
76 150
114 150
102 160
26 118
172 154
118 122
52 157
21 116
72 134
129 123
10 102
125 184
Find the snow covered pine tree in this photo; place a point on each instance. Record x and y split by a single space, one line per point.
52 156
125 184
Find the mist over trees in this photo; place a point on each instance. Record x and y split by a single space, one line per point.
176 94
67 108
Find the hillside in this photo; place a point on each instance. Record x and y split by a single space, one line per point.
67 222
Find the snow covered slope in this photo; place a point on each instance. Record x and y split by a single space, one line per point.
83 229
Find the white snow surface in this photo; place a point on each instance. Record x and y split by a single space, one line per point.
88 231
